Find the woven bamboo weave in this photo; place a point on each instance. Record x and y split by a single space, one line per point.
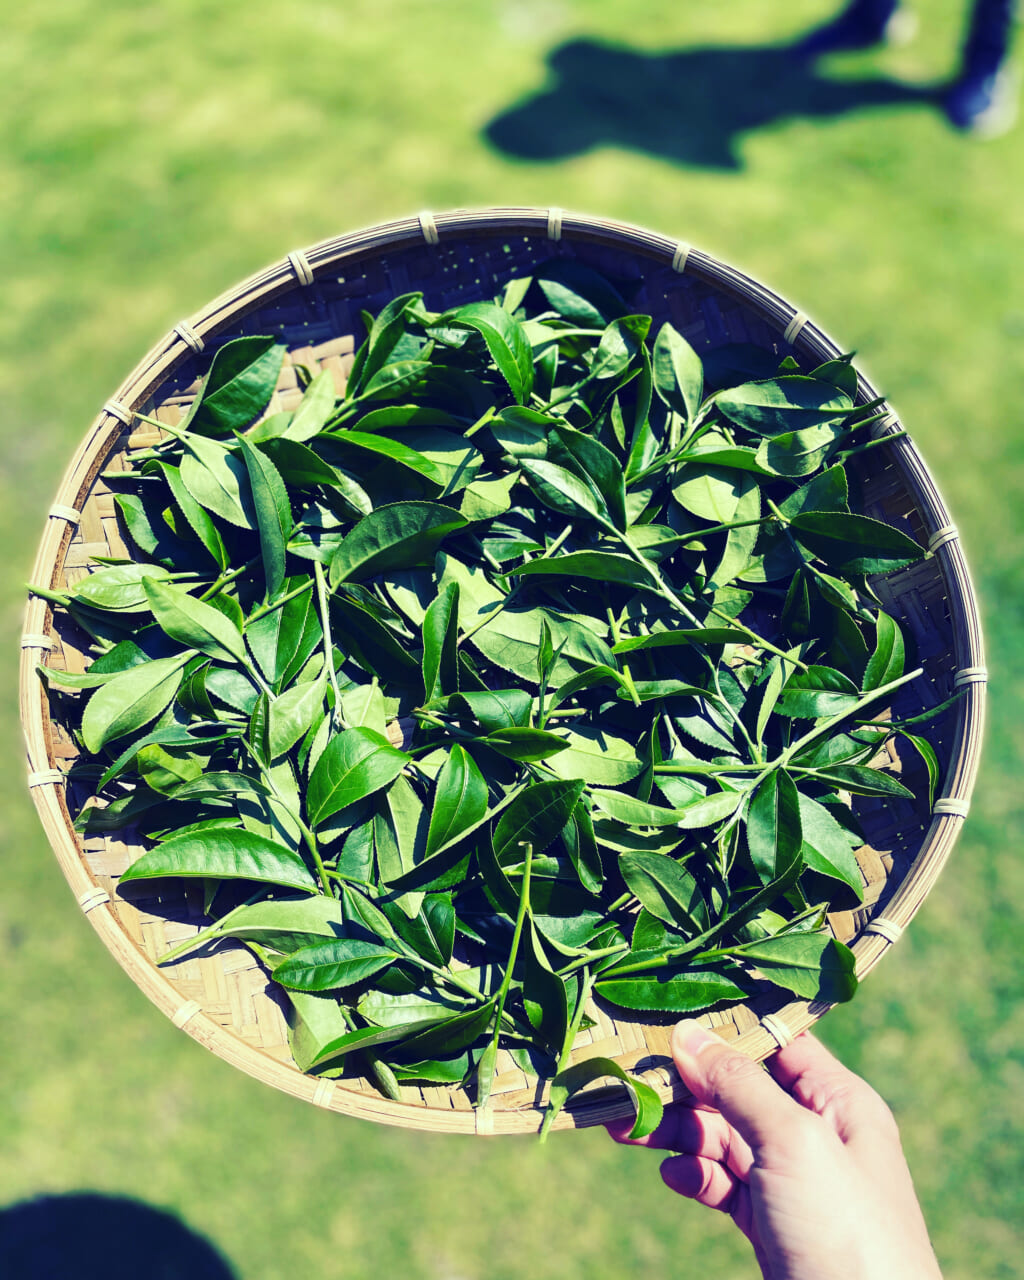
312 301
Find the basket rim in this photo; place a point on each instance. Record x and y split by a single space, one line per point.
297 270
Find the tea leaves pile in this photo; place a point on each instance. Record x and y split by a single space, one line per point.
539 666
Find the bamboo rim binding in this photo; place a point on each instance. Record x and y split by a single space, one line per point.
449 246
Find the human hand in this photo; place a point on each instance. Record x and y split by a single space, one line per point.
806 1161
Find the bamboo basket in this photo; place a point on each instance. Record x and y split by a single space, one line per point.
312 301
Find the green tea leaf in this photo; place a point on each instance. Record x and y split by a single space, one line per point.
241 380
633 812
683 636
819 691
826 492
620 345
813 965
599 566
281 924
341 962
131 700
678 372
563 490
315 407
544 995
395 451
886 663
227 854
855 543
713 493
672 991
522 743
863 781
121 587
393 537
931 761
666 889
782 404
496 709
826 845
597 757
432 932
292 713
196 515
708 811
195 624
440 636
535 817
381 340
580 842
355 764
593 463
799 453
509 347
273 513
444 1039
218 480
283 639
774 832
164 772
648 1105
579 293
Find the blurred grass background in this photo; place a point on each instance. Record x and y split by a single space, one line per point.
155 154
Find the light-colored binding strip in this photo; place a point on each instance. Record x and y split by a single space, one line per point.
186 1013
952 808
119 411
554 224
45 778
92 898
887 929
484 1118
793 328
948 533
189 336
970 675
300 265
30 641
429 228
323 1093
778 1030
679 257
59 512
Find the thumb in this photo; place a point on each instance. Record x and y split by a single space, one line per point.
721 1077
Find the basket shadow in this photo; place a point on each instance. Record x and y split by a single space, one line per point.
688 106
98 1237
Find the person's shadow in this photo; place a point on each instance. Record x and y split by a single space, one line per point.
691 106
87 1236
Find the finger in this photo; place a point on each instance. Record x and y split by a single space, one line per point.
705 1181
693 1131
752 1103
821 1083
859 1116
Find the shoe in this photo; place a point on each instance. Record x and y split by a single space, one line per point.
853 30
981 104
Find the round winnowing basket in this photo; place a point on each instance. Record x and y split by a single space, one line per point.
312 301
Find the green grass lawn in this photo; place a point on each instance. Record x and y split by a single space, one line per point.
154 155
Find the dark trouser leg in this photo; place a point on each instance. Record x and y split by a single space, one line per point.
988 36
861 24
983 97
871 14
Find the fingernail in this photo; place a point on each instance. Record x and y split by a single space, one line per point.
689 1037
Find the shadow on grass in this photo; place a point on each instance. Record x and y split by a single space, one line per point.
691 106
86 1236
